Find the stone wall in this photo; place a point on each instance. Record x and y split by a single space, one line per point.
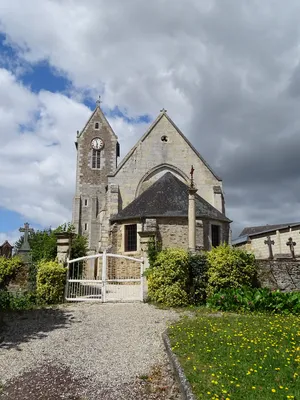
90 196
173 232
279 274
258 247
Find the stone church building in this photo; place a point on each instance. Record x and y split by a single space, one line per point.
119 206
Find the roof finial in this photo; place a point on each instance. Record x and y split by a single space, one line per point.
98 102
192 176
163 110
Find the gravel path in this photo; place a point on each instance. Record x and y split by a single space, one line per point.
85 352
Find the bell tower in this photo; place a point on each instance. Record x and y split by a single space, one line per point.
97 152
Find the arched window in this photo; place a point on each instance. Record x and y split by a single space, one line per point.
96 125
96 159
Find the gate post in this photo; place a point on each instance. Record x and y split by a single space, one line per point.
67 280
104 259
142 279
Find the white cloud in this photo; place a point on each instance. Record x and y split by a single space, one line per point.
11 237
37 174
37 179
227 71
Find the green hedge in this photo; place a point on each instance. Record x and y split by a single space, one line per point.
17 301
230 267
51 278
167 279
177 278
8 270
258 300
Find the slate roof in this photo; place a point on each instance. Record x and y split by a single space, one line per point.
259 230
255 230
167 197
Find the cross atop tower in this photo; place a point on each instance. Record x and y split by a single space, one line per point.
192 176
99 101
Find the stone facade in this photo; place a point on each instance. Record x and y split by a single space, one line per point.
152 157
171 232
103 192
91 184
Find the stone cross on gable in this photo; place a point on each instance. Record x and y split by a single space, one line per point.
192 176
25 245
291 245
270 242
99 101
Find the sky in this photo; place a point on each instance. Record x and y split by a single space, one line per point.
227 71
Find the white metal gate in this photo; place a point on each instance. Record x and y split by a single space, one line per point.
88 279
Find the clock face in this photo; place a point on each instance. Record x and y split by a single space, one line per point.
97 143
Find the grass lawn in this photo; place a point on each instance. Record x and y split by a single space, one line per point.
240 357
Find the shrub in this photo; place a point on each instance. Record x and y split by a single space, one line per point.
168 278
51 278
8 270
253 299
230 268
197 278
154 248
16 302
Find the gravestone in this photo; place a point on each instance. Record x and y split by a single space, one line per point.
291 245
24 250
270 243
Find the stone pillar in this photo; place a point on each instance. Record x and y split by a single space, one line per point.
192 219
230 237
278 241
145 236
64 240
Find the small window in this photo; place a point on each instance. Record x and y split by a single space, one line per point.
85 202
96 159
130 237
96 125
85 226
164 139
215 235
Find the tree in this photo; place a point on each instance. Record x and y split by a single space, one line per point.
79 247
43 244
